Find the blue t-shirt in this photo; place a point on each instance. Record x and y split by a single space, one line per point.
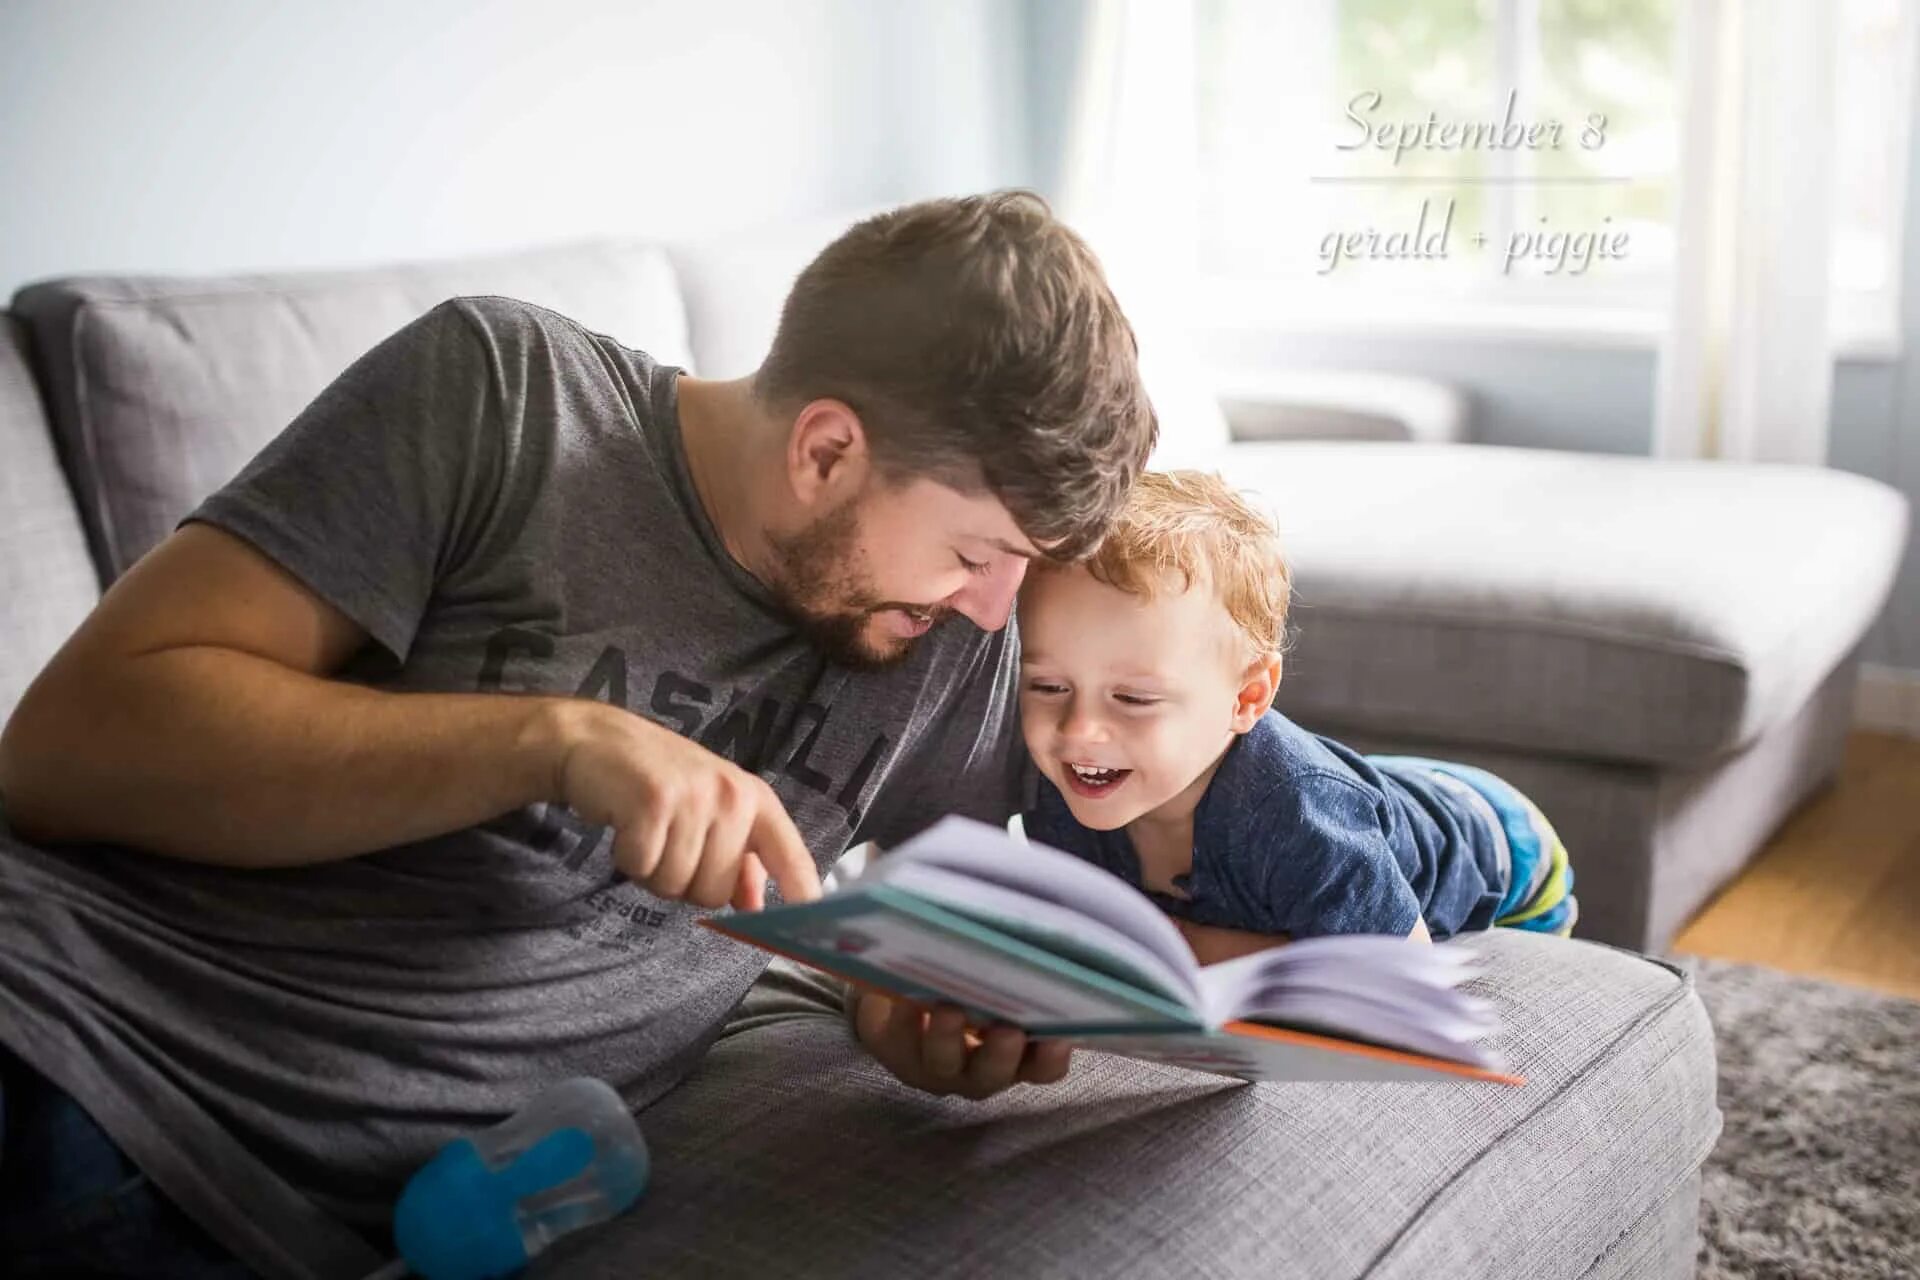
1297 834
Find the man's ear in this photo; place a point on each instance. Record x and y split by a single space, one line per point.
1257 689
827 456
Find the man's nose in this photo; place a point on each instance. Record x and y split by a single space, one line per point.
988 598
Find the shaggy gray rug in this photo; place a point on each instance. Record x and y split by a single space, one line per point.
1817 1173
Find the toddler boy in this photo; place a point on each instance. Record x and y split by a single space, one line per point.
1147 681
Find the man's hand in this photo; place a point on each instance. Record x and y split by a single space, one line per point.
687 823
935 1052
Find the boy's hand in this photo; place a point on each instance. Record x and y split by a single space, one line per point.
934 1052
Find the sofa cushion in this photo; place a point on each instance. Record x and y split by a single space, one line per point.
790 1151
47 583
734 286
162 387
1596 606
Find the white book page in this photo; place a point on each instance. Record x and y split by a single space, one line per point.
1334 1016
1386 990
1351 961
1444 1012
1065 933
978 976
987 854
1382 989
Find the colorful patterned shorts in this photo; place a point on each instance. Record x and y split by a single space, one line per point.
1539 877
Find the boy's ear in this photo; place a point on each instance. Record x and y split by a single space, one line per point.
1257 690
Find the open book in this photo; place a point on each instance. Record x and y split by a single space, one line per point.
966 914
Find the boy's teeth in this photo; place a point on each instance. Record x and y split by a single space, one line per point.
1092 775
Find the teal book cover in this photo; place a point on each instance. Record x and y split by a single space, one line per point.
901 944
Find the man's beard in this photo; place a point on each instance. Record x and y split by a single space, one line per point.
821 586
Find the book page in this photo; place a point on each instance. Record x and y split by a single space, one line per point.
987 854
889 939
1062 931
1379 989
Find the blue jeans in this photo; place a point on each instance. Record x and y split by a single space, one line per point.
72 1204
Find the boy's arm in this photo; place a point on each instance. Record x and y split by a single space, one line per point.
1214 943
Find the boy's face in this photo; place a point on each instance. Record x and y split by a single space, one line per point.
1150 692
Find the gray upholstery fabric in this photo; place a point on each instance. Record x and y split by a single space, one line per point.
47 584
1651 845
1664 1245
1602 608
1712 820
789 1152
735 285
163 387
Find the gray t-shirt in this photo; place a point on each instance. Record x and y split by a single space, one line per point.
501 499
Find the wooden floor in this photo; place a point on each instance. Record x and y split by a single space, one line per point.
1836 893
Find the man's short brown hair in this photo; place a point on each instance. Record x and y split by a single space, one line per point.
979 343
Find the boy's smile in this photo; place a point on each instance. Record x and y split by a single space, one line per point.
1095 782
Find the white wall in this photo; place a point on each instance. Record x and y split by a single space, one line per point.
221 135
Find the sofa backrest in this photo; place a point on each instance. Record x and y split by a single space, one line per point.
47 583
161 388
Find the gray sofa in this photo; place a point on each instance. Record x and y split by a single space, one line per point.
123 400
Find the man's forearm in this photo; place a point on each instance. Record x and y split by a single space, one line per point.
219 756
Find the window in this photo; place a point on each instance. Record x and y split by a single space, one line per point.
1515 158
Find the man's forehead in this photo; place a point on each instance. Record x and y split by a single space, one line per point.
985 519
1026 552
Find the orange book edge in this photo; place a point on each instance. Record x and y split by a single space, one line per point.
1256 1030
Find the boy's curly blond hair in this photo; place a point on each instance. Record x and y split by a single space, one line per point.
1196 525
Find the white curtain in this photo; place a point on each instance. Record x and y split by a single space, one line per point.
1746 367
1129 184
1132 163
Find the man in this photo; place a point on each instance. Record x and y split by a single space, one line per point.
391 786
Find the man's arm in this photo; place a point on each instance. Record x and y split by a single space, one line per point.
191 715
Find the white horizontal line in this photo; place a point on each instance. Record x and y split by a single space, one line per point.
1442 181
